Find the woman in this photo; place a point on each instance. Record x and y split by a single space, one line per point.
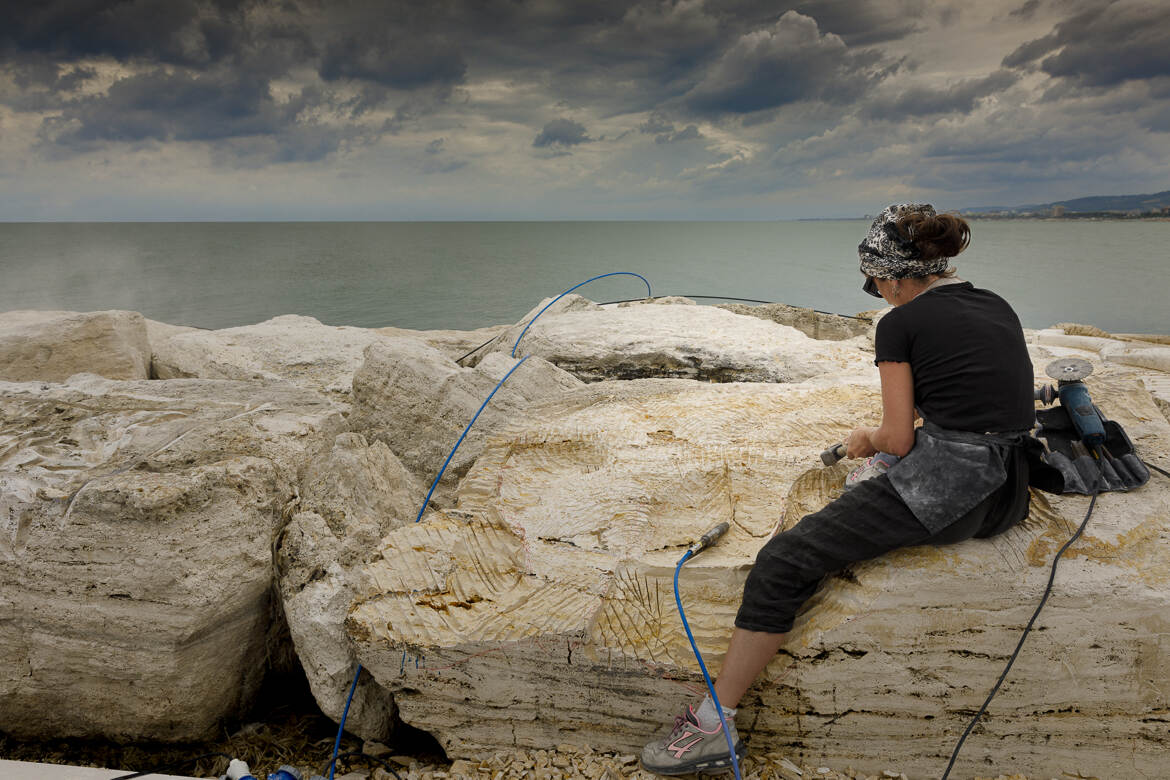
956 354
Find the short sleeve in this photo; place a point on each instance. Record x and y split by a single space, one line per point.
891 341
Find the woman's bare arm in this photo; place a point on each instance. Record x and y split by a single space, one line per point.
896 433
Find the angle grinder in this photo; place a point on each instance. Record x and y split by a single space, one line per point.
1069 374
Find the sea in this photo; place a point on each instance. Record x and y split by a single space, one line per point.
463 275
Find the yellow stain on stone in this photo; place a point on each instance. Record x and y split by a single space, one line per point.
1142 549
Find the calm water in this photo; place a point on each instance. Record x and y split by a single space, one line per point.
1115 275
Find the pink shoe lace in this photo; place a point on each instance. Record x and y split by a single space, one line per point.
679 722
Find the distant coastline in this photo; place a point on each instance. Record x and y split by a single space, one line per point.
1151 206
1027 217
1074 217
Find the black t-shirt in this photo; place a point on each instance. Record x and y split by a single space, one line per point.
967 353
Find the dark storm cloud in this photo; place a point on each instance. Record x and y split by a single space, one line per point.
176 32
176 106
960 98
401 63
790 61
856 22
39 71
863 23
1024 138
1030 51
656 123
232 109
1027 10
1104 45
562 133
404 45
210 71
688 133
72 79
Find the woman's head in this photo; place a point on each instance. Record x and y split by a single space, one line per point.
909 240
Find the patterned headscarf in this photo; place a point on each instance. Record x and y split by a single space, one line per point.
885 254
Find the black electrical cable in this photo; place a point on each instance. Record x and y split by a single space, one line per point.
709 297
477 349
1020 644
730 298
168 767
1149 465
359 754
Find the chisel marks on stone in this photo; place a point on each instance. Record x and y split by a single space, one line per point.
632 618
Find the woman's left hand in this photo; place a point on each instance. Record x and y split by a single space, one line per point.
859 444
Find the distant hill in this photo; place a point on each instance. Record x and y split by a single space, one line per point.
1093 203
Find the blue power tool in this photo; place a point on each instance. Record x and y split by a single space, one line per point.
1069 374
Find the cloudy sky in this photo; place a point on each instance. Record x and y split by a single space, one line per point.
578 109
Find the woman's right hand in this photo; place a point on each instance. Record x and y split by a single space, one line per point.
859 444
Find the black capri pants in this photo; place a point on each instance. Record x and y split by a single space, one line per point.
869 520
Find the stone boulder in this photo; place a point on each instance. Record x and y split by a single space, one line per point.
350 498
540 610
549 307
455 344
812 323
51 346
137 521
1153 358
1150 338
417 400
158 332
674 341
291 347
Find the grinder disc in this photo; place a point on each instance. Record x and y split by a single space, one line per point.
1069 369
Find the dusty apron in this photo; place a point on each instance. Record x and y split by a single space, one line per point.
949 472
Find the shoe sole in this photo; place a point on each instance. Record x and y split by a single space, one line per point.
711 766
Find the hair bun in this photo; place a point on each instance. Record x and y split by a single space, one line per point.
935 235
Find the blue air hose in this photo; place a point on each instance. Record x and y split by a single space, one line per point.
707 540
566 292
423 508
341 728
463 435
439 476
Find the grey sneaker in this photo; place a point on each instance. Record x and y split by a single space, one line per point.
873 467
688 749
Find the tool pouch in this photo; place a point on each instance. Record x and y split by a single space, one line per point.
1059 463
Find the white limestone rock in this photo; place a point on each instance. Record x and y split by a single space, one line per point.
1079 329
1058 338
666 300
690 342
1150 338
418 401
136 526
1153 358
158 332
291 347
814 324
452 343
540 610
506 339
350 498
51 346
